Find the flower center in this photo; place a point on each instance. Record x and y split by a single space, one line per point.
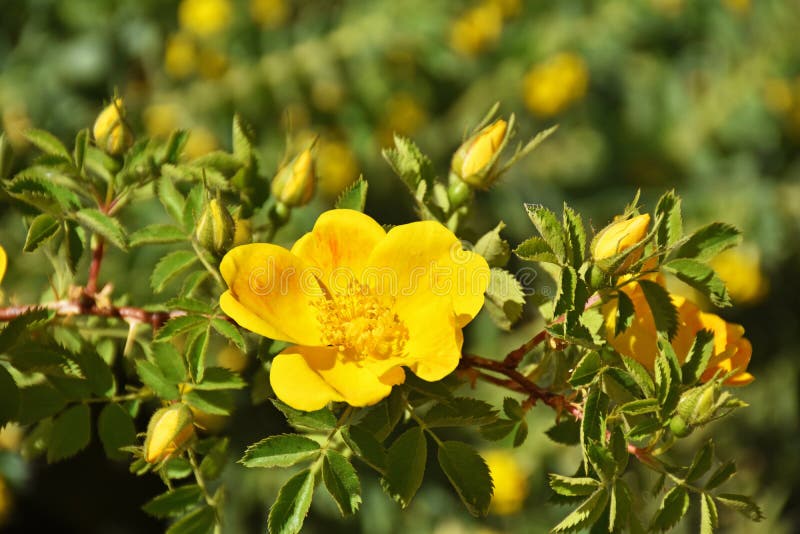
361 324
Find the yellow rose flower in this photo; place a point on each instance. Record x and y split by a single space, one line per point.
510 482
358 303
639 341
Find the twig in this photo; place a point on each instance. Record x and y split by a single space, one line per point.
94 267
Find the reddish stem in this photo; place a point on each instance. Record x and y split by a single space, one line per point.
94 267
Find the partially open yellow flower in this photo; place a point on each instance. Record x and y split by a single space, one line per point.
474 161
358 303
639 341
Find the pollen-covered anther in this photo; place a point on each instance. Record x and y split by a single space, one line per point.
361 323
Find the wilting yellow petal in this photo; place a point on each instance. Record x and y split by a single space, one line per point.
297 384
307 378
340 244
271 293
422 261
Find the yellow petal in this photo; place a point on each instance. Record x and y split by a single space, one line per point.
296 384
434 344
271 292
340 244
3 262
357 385
424 260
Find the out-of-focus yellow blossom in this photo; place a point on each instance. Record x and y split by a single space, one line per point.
15 123
11 435
738 7
294 183
731 349
550 87
477 29
777 94
509 8
327 94
160 120
620 236
111 133
337 167
201 141
212 64
205 17
6 501
269 14
169 429
510 482
474 160
180 56
404 115
232 358
243 231
358 304
670 8
740 269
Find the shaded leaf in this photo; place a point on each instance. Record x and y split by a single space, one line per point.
405 465
173 502
102 224
289 511
341 481
42 228
280 451
468 474
70 433
116 429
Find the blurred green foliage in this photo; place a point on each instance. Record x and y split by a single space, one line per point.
652 94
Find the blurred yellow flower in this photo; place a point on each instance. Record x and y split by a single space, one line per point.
160 120
180 56
639 341
777 94
201 141
477 29
738 7
337 167
205 17
11 437
740 269
15 123
404 115
510 482
269 14
670 8
358 303
212 63
550 87
232 358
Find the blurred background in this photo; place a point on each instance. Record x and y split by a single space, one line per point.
702 96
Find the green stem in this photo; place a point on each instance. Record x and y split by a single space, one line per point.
198 476
210 268
421 423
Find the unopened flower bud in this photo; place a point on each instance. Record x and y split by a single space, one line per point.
294 184
243 231
474 161
111 133
620 236
215 229
169 429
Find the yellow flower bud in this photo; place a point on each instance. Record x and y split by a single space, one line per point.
169 429
215 229
295 182
243 232
474 160
620 236
111 133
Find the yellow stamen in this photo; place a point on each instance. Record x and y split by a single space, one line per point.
361 324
